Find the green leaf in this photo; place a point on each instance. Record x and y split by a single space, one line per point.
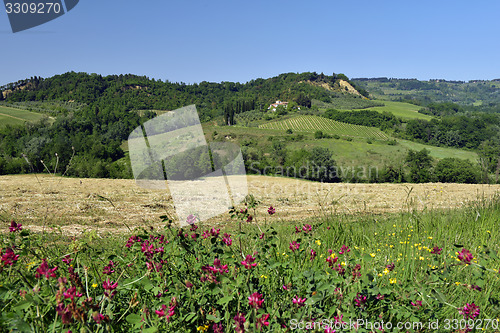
225 300
133 318
147 284
150 330
22 305
438 295
212 317
324 286
190 316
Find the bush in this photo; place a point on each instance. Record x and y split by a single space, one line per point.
392 142
455 170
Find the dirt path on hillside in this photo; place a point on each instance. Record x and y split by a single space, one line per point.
77 205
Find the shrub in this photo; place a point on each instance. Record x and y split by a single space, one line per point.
455 170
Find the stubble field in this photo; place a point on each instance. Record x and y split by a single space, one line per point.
75 205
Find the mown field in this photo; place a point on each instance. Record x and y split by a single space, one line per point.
265 268
77 205
11 116
315 123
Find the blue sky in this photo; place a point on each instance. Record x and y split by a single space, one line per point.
194 41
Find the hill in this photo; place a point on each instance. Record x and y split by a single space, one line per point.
480 95
131 92
94 115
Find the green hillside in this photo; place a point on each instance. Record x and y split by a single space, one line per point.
11 116
402 110
476 94
355 152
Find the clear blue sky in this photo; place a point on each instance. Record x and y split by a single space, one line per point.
194 41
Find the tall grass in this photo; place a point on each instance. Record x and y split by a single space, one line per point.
407 267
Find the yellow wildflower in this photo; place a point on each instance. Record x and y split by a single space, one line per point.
202 328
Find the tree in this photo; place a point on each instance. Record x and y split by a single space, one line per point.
322 167
455 170
303 100
279 151
319 135
420 164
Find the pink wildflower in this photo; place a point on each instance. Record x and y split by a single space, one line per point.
239 323
45 270
249 262
262 321
227 239
470 311
417 304
218 328
436 250
9 257
72 293
255 301
15 226
109 288
465 256
344 249
299 301
108 270
294 246
360 300
191 219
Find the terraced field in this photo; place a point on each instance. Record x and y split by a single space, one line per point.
314 123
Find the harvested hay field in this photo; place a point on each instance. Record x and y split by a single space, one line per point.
77 205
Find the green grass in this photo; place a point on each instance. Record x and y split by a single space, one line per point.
402 110
315 123
441 152
11 116
378 153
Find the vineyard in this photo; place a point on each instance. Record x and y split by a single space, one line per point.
315 123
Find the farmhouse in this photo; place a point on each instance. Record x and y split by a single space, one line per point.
278 103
